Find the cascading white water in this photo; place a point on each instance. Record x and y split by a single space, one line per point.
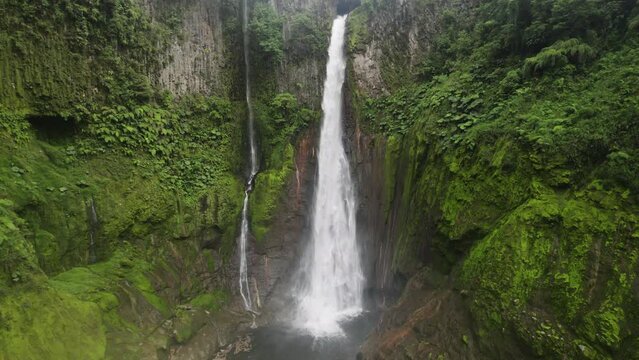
332 291
244 231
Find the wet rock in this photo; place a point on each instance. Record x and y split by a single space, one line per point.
211 238
207 341
429 321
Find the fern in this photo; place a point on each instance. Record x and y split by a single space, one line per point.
577 52
559 54
546 59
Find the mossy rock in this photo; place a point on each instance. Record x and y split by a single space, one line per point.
268 193
211 301
43 323
541 257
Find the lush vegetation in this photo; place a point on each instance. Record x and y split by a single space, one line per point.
308 37
119 202
93 51
281 122
109 187
280 116
511 134
516 137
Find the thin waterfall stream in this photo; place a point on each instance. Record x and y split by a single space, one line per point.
245 290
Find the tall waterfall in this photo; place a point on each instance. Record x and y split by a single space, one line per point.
333 288
244 231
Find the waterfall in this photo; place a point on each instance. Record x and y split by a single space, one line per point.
333 287
245 290
94 224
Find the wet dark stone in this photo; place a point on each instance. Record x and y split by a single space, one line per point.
345 6
212 238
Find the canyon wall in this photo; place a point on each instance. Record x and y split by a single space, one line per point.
502 253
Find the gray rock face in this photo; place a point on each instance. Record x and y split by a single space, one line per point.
399 35
367 70
199 58
195 59
304 78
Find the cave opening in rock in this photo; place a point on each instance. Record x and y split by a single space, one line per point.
53 128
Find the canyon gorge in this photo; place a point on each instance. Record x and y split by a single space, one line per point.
319 179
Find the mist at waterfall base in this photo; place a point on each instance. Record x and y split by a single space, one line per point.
282 342
326 317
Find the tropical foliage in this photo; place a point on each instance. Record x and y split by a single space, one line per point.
266 33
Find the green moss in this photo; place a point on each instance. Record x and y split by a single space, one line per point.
518 251
391 157
130 305
16 254
94 166
548 247
56 191
604 327
210 301
86 48
357 30
187 323
43 323
536 244
99 282
266 196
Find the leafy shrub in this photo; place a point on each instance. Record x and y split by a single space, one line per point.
214 108
15 125
142 127
511 81
284 106
287 116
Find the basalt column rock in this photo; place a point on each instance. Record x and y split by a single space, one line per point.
198 59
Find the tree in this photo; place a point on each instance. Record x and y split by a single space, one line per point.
266 32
